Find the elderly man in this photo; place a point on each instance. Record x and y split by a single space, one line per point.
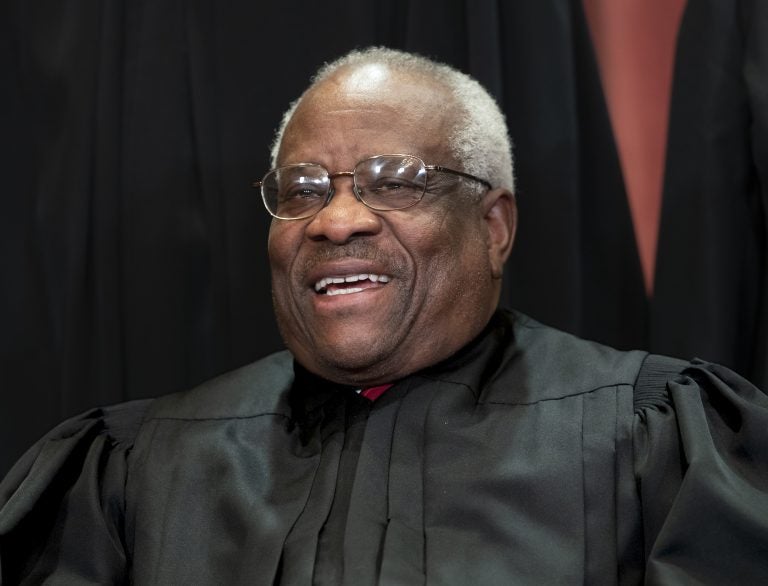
414 433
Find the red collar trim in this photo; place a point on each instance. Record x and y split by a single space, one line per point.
373 393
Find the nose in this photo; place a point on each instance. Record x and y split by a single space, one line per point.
345 217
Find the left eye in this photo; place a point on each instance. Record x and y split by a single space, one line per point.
390 184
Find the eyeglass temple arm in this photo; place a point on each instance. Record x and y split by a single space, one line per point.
460 173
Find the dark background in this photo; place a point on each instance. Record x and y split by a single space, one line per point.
132 249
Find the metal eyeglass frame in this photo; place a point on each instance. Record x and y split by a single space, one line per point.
355 190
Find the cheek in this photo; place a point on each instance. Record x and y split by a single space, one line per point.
281 247
452 256
458 236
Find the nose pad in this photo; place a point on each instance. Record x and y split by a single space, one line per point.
332 189
332 192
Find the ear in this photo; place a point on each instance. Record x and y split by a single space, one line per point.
500 214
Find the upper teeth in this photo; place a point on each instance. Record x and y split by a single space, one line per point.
325 281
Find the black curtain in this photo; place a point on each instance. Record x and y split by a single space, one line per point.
133 258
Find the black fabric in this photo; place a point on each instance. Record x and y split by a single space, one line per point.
650 385
329 568
132 251
711 292
525 459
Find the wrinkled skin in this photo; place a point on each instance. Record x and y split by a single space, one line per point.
444 256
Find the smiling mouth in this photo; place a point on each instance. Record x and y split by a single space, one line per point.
338 285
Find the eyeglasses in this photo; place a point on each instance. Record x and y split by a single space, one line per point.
382 183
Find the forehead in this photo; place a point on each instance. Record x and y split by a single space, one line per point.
367 110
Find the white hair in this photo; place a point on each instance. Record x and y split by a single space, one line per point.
479 141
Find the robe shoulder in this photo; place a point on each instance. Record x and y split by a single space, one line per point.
259 388
539 363
62 505
254 389
110 429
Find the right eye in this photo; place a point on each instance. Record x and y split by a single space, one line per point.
301 191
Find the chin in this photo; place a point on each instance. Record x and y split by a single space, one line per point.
356 364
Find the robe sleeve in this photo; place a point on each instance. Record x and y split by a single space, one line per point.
701 463
62 505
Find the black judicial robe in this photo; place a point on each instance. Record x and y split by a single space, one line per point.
530 457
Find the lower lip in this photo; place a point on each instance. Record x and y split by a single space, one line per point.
363 298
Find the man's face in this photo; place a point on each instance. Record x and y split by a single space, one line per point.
427 286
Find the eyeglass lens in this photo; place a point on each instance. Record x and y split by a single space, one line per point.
388 182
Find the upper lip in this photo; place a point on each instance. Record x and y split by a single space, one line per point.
325 281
